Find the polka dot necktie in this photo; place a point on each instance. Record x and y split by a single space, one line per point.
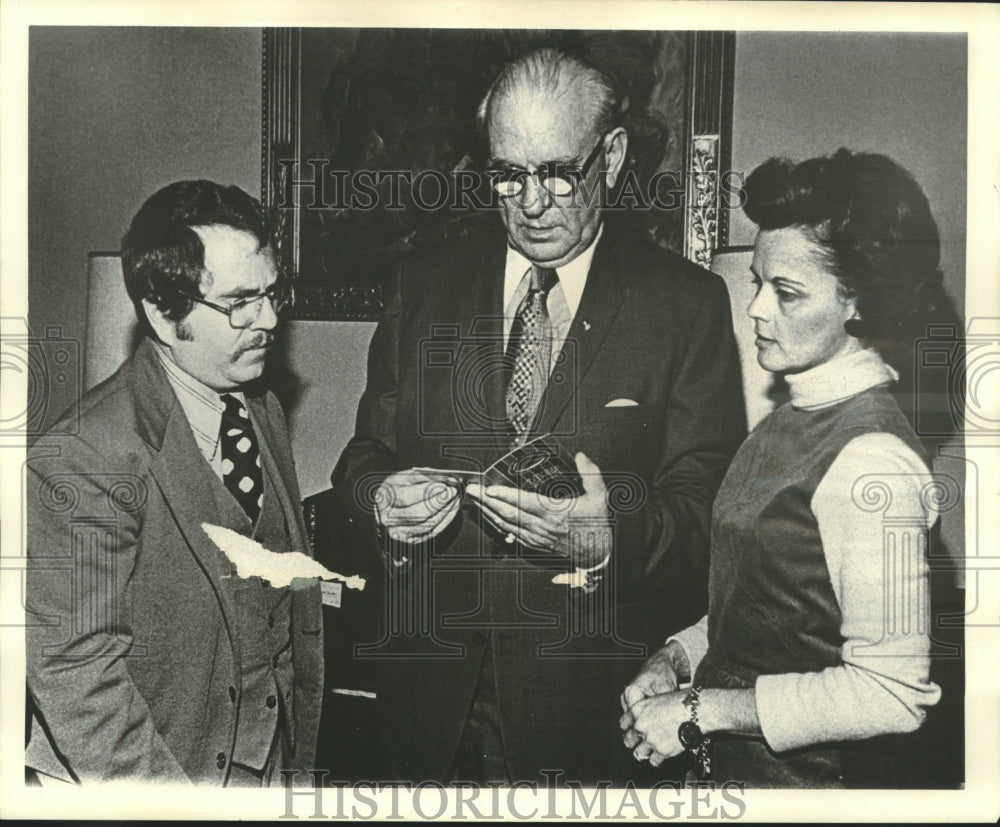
529 350
241 470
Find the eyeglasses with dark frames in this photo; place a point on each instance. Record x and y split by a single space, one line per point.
559 178
245 312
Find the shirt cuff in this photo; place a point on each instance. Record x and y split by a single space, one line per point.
841 703
385 542
586 579
780 728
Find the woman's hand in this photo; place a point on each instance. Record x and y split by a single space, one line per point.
651 725
663 671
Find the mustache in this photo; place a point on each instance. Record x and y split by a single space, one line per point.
263 340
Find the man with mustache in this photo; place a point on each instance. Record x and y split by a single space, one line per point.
147 657
514 619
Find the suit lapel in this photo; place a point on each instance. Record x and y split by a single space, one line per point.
486 312
276 456
599 305
189 487
178 467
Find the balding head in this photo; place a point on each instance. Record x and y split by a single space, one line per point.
547 76
548 111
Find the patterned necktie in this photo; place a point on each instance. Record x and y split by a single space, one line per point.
241 470
529 350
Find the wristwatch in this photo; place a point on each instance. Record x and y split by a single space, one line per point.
692 738
690 735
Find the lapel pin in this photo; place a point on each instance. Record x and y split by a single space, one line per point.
586 325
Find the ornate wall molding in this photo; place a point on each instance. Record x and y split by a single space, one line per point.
709 146
335 105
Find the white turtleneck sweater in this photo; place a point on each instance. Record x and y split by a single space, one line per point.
882 685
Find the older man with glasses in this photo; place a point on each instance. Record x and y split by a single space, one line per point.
514 616
149 655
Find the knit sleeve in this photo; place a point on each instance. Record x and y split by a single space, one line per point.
883 684
694 641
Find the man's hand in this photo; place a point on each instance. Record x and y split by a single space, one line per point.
650 727
415 508
578 528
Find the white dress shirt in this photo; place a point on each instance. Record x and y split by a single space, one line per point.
202 406
563 298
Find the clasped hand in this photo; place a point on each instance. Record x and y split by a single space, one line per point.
549 524
652 711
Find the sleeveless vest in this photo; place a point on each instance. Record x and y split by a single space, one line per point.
262 629
772 608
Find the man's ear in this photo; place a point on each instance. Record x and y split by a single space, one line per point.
851 308
164 328
616 148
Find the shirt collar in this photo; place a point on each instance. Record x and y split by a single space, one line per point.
202 406
572 276
839 379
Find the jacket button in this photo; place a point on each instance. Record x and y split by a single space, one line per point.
232 694
220 760
271 702
270 621
480 638
274 662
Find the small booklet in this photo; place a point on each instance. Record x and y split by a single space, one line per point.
540 465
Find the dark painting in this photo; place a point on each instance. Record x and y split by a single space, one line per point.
372 148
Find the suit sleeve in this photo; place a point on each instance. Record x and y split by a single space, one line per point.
705 423
370 456
84 521
278 440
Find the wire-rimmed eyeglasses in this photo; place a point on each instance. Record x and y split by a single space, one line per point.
245 312
558 177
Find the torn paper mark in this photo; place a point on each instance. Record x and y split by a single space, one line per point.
357 693
253 560
575 579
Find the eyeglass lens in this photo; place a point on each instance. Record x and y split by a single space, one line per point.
246 313
557 179
556 184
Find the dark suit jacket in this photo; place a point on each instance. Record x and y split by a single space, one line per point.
133 660
651 328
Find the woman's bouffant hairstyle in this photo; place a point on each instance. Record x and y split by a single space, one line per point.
873 222
874 226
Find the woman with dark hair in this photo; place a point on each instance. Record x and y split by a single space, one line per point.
815 649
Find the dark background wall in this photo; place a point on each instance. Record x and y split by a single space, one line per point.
115 113
802 94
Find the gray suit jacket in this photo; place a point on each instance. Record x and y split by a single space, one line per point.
133 658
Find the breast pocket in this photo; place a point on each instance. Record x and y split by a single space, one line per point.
622 418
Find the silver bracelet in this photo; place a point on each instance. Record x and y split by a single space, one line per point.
692 738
